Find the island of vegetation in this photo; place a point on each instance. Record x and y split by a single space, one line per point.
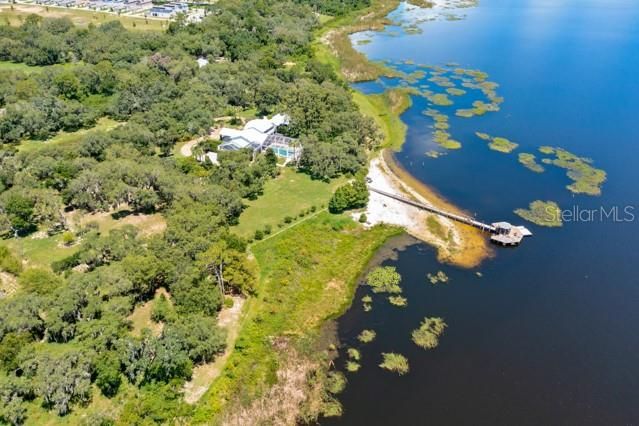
428 333
586 178
542 213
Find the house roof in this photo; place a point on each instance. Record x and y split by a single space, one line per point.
262 125
280 120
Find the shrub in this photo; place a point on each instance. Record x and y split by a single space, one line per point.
288 219
352 195
68 238
362 218
268 229
313 209
8 262
259 235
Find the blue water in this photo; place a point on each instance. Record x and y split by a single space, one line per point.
549 334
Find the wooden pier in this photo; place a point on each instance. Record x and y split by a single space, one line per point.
502 233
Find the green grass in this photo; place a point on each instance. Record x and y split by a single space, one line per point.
385 109
16 14
307 275
396 363
13 66
40 251
287 195
428 333
66 138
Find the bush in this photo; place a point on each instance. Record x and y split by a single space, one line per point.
8 262
228 302
288 219
349 196
68 238
259 235
268 229
39 280
313 209
362 218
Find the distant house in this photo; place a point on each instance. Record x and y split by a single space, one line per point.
168 10
261 134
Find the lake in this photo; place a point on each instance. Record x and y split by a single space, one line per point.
548 333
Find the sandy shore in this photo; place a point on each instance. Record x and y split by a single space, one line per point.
456 243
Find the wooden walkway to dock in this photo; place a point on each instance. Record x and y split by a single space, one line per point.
502 232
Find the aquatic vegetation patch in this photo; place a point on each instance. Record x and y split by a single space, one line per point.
542 213
428 333
398 301
440 99
367 307
439 277
586 178
384 280
455 91
530 162
484 136
367 336
465 113
354 354
335 382
352 367
434 154
367 299
502 145
498 143
394 362
441 81
442 138
441 125
364 41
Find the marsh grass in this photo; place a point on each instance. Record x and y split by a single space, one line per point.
398 301
586 178
396 363
367 336
354 354
428 333
542 213
440 99
384 279
352 366
529 161
455 91
439 277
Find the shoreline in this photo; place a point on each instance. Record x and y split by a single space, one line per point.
456 243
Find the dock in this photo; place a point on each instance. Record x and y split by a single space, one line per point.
502 233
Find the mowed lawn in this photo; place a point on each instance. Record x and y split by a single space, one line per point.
16 14
287 195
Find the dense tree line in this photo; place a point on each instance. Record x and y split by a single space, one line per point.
66 329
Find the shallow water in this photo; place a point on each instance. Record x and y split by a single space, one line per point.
548 334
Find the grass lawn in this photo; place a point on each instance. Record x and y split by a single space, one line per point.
81 18
287 195
307 275
64 138
40 251
12 66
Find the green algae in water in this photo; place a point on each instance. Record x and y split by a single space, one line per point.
367 336
394 362
428 333
441 125
398 301
542 213
455 91
529 161
586 178
440 99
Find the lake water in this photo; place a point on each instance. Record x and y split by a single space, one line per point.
549 333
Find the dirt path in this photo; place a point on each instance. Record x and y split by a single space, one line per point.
186 150
203 375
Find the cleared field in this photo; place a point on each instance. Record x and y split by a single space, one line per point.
15 15
287 195
64 138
